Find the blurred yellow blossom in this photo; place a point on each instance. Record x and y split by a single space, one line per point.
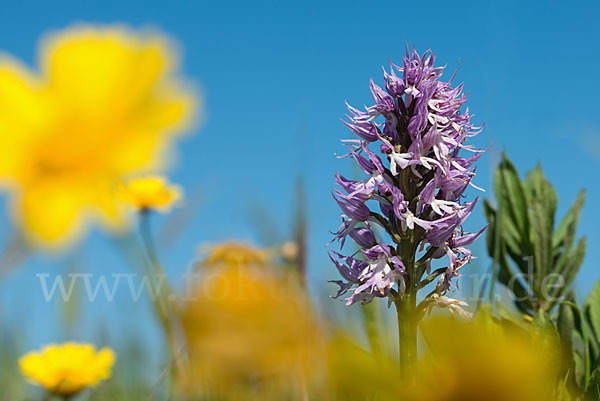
105 104
357 374
484 361
150 193
461 361
67 369
235 254
250 330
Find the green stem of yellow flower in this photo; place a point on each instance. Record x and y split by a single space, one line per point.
165 294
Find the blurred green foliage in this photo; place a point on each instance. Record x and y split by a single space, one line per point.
544 256
537 259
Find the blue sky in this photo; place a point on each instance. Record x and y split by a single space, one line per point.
274 77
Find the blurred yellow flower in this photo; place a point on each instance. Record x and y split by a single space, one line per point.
150 193
460 361
105 104
357 374
251 333
485 361
235 254
67 369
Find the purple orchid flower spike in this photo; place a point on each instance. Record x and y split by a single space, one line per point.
409 208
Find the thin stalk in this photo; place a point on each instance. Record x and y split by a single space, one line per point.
497 233
165 294
481 294
300 232
371 316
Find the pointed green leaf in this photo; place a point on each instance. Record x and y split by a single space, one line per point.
579 369
568 223
506 275
572 268
508 185
592 342
591 308
593 388
562 393
539 189
566 328
490 215
542 241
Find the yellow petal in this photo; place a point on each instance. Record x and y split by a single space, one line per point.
51 211
24 111
68 368
104 72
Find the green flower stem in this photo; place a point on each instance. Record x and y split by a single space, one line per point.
165 294
406 309
407 333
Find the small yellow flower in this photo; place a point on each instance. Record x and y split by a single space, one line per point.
68 368
105 104
150 193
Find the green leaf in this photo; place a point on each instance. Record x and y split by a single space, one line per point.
591 308
510 322
542 202
573 265
522 294
568 262
513 247
562 393
592 346
566 328
565 232
507 277
542 241
521 228
504 313
593 388
494 238
508 185
539 189
490 215
585 344
579 369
